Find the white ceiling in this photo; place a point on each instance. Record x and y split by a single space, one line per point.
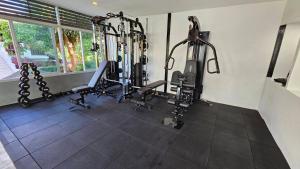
144 7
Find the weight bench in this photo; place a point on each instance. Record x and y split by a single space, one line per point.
143 92
90 88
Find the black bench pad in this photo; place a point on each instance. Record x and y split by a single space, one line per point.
151 86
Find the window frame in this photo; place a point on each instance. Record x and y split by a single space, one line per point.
53 27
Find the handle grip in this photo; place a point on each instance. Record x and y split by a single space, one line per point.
217 67
173 61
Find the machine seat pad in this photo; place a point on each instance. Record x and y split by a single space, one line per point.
185 105
173 89
187 91
175 78
80 88
151 86
171 101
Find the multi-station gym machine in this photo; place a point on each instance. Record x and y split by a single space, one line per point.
122 42
189 84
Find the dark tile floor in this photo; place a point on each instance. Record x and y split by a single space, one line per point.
116 136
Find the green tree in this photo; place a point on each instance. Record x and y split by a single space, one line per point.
36 38
4 29
71 40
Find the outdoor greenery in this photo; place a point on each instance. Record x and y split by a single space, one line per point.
89 58
4 29
37 40
73 50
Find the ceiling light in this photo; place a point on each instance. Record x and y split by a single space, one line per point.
95 3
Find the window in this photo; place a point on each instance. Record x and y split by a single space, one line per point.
72 50
89 56
8 60
23 41
36 46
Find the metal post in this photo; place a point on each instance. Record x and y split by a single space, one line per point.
276 50
61 40
82 50
15 42
146 52
55 50
95 42
167 51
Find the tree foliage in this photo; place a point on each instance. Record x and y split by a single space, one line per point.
4 29
36 38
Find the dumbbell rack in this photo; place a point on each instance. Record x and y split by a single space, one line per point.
24 92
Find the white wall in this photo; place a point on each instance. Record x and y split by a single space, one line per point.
291 12
156 34
286 56
244 37
294 80
65 82
280 110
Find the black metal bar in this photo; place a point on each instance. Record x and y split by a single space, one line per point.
276 50
133 76
105 44
167 51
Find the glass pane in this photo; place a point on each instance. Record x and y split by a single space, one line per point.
89 56
36 45
8 61
73 50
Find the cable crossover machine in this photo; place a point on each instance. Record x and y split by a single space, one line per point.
122 42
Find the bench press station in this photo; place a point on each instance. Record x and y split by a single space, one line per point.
143 92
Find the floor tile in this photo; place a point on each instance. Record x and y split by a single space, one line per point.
219 159
42 138
59 151
171 161
38 140
26 163
233 117
261 134
6 137
136 156
21 120
266 157
232 129
190 149
3 126
113 144
150 134
54 154
114 118
41 124
236 145
14 150
85 159
198 130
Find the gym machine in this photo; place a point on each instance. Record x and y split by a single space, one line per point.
125 53
105 46
93 87
189 84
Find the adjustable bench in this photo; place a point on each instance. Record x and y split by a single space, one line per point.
143 92
90 88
